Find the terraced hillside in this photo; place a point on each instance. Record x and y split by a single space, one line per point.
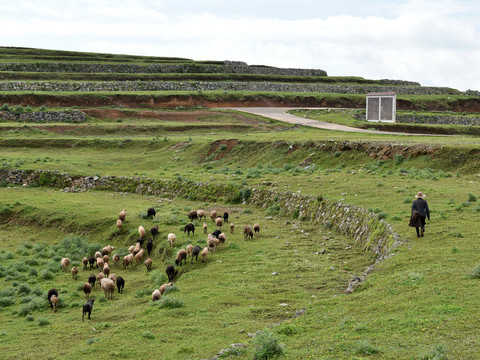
335 272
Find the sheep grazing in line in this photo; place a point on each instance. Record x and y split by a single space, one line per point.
154 231
74 272
156 295
137 248
87 289
222 238
189 227
141 232
171 239
181 255
149 246
127 260
163 287
170 271
92 279
204 255
108 287
205 228
113 277
219 222
196 250
148 264
216 233
225 216
151 213
100 263
192 215
120 284
53 293
212 243
97 255
106 258
87 308
119 224
122 215
140 241
256 229
116 259
100 276
85 263
247 231
138 256
201 214
131 248
189 249
91 261
106 270
232 227
107 250
213 215
65 264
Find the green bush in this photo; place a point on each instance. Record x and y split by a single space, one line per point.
148 335
6 301
168 303
364 347
43 322
159 278
5 107
267 346
273 209
472 198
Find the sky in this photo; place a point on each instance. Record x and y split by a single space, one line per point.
436 43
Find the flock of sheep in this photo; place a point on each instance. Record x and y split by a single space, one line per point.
108 280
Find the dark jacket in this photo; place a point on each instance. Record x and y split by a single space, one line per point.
422 207
415 219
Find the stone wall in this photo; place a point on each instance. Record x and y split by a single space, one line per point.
431 119
72 86
44 116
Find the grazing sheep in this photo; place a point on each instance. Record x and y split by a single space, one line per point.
222 238
232 227
247 231
106 270
100 263
131 248
171 239
87 289
87 308
108 287
100 276
148 264
170 271
92 279
213 215
50 294
127 260
74 272
120 284
256 229
217 233
188 228
151 213
106 258
65 264
137 248
107 250
85 263
201 214
189 249
154 231
54 302
116 259
119 224
141 232
211 243
219 222
113 277
225 216
192 215
196 250
156 295
97 255
138 256
163 287
204 255
205 228
181 255
140 242
91 261
122 215
149 246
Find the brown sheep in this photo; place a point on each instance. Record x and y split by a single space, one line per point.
108 287
112 277
116 259
212 243
87 289
247 231
232 227
205 228
119 224
148 264
106 270
256 229
181 255
122 215
204 254
213 215
127 260
105 259
100 263
201 214
54 302
100 276
219 222
189 249
192 215
222 238
138 256
107 250
137 248
131 248
85 263
65 264
141 232
164 287
97 255
74 272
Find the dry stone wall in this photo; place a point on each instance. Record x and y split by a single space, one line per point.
44 116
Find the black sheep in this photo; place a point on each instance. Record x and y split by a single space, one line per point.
170 270
154 231
120 284
87 308
91 280
51 292
91 261
188 228
149 246
216 233
140 241
151 213
225 216
196 250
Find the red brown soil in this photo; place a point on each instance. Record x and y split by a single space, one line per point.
214 146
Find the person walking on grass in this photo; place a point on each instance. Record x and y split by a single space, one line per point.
420 211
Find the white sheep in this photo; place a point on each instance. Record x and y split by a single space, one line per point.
74 272
219 222
232 227
127 260
201 214
112 277
85 263
97 255
156 295
141 232
164 287
213 215
131 248
139 255
171 239
205 228
189 249
107 249
119 224
108 287
204 254
65 264
148 264
100 276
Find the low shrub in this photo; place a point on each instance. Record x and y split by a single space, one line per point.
168 303
267 346
43 322
364 347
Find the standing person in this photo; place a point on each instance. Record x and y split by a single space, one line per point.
421 206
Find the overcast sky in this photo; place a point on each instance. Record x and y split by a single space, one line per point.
433 42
